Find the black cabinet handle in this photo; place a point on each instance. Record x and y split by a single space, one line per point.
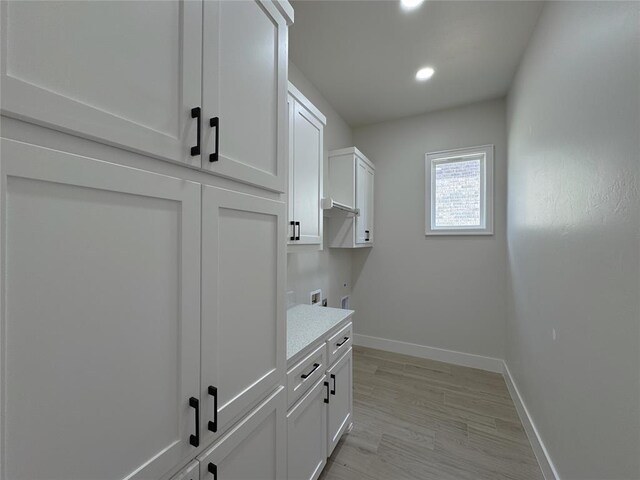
333 377
366 239
293 233
195 439
213 425
315 367
212 468
326 400
339 344
215 123
298 235
195 113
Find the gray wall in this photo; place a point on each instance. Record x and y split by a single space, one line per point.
329 269
446 292
573 236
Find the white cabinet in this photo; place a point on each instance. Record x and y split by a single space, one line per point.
101 338
364 202
351 182
245 91
143 315
307 434
320 399
340 399
199 82
340 342
191 472
254 449
306 158
122 73
243 311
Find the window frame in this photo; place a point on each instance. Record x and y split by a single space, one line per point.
486 197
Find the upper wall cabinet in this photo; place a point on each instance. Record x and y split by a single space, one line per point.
306 157
202 83
123 73
351 182
245 91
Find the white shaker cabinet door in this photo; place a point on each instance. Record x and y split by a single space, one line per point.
306 176
243 312
245 92
340 381
101 317
368 234
254 449
362 195
307 434
123 73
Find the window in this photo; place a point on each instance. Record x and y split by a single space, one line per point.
459 192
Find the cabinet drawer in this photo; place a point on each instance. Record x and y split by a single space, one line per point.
305 373
340 342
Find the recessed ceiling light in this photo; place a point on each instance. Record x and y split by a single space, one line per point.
425 74
410 4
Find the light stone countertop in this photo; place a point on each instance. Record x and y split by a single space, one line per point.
308 323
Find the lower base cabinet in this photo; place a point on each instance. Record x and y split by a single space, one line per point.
339 377
307 434
318 417
254 449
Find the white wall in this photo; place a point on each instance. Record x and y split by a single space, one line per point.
446 292
573 236
329 269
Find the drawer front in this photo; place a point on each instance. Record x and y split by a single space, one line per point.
340 343
305 373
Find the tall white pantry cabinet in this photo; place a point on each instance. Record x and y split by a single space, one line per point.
143 163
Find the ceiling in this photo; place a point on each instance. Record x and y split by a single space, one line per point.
363 55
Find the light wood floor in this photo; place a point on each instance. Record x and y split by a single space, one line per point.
417 419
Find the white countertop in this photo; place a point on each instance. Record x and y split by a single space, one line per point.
307 323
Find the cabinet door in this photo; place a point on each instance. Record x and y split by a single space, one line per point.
255 449
191 472
243 313
369 230
340 399
123 73
245 88
306 173
100 345
307 435
362 194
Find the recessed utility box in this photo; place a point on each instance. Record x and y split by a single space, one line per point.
316 297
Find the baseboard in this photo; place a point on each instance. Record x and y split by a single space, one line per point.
542 454
432 353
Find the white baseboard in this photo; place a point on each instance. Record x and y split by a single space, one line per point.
542 455
432 353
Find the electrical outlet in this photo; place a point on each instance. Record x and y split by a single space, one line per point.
553 334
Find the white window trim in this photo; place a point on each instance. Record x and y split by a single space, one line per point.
487 198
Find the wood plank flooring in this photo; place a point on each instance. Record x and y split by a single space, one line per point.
417 419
